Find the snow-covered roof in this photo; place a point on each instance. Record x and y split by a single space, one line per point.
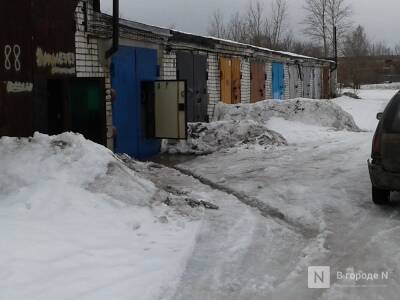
167 32
284 53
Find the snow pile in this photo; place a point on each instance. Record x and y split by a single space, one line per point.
314 112
206 138
382 86
76 223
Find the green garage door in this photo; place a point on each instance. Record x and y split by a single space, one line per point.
87 114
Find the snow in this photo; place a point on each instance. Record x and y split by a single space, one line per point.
314 112
382 86
364 110
76 223
320 184
206 138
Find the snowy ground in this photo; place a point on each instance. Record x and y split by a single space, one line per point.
320 184
75 223
79 223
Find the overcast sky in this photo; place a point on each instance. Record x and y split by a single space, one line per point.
379 17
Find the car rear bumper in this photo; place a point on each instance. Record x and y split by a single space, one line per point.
382 179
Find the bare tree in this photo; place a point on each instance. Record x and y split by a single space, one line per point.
275 24
322 16
237 29
255 22
356 43
380 49
216 28
315 22
356 48
339 13
397 49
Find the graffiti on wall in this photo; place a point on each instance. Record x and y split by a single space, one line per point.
19 87
60 62
12 54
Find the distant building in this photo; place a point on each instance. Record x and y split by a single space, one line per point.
368 70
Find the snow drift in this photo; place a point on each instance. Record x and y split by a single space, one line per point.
315 112
206 138
76 223
382 86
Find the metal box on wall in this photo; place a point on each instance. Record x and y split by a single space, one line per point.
166 109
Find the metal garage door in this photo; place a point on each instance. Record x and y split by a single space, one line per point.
236 81
130 67
230 80
294 78
326 83
317 86
257 82
278 83
307 77
225 65
193 69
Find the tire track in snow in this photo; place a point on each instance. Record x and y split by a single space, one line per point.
266 210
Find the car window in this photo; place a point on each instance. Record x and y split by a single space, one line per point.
392 116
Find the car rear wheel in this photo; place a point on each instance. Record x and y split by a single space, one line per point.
380 197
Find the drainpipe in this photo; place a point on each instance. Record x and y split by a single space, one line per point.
335 48
115 43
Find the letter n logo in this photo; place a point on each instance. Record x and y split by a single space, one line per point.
319 277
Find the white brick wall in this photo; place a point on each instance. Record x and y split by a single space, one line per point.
168 66
268 82
286 93
213 83
299 87
245 70
88 63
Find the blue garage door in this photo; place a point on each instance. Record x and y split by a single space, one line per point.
277 81
131 66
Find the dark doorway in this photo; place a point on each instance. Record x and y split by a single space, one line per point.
87 113
77 105
56 106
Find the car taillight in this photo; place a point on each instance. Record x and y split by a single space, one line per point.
376 143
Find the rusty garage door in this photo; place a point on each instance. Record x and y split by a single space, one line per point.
226 80
16 83
236 84
326 83
54 31
37 42
257 81
230 80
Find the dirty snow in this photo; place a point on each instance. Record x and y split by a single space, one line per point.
314 112
364 110
382 86
75 223
206 138
320 184
247 125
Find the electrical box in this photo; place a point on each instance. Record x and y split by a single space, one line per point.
165 103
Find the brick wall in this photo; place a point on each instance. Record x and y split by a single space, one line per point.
286 93
88 63
245 83
168 66
213 83
268 82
